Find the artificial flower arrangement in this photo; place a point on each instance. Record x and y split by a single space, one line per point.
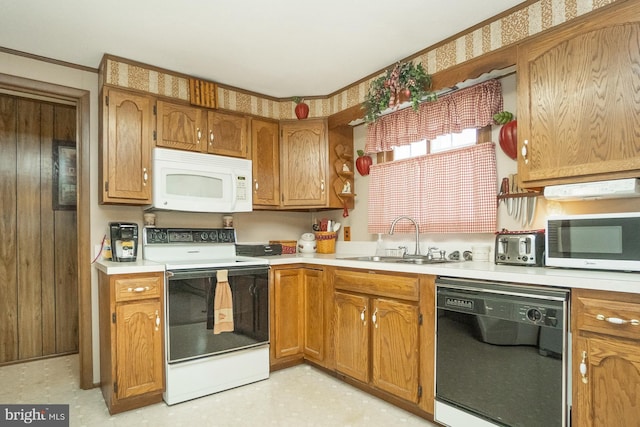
404 82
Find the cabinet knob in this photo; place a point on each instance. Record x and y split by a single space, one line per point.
256 185
157 320
362 315
210 137
322 184
138 289
199 135
525 151
374 318
145 176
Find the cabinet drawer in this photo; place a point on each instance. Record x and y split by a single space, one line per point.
395 285
618 317
133 288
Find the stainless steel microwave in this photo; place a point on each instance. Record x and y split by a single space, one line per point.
597 241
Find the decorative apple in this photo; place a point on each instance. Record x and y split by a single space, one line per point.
302 109
363 163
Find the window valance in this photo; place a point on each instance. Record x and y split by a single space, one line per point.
471 107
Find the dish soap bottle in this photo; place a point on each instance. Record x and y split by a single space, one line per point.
379 246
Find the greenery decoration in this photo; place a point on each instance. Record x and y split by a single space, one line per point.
404 82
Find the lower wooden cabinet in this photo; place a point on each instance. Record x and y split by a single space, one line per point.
298 320
376 330
131 339
606 358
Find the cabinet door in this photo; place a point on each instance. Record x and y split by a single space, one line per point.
139 353
265 156
286 315
303 162
606 344
610 395
395 348
226 134
127 126
351 335
314 321
180 127
576 120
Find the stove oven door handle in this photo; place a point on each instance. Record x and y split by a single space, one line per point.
211 272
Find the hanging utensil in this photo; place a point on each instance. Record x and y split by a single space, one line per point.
509 190
532 210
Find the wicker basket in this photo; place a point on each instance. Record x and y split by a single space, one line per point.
288 246
326 242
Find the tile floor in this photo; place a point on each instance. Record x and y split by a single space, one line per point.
298 396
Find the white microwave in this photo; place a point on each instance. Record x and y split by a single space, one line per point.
598 241
195 182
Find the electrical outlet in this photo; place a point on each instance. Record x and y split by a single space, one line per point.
347 233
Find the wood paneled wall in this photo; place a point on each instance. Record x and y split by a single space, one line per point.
38 245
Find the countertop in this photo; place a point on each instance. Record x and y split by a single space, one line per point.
546 276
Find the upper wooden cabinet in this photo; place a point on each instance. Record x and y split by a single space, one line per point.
125 147
226 134
303 162
185 127
577 109
180 126
606 358
265 154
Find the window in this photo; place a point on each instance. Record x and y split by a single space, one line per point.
442 143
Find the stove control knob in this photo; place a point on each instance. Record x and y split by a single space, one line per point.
203 236
534 315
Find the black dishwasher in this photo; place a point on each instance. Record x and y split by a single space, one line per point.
502 354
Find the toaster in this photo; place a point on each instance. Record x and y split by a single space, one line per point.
520 248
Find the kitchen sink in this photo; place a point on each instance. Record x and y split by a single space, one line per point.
409 259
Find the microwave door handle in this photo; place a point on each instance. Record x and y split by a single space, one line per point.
234 191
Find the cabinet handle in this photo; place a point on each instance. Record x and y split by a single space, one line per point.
374 318
525 150
583 367
256 185
362 315
210 137
322 185
145 176
617 320
157 320
138 289
199 134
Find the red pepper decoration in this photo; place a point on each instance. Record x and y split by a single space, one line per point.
509 139
363 163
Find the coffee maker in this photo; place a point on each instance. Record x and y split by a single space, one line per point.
124 241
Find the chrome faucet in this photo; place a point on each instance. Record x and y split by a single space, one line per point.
415 224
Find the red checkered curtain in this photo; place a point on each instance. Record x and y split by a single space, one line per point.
396 188
472 107
449 192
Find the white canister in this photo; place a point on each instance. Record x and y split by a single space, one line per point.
307 244
481 253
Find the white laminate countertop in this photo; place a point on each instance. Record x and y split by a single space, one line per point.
138 266
546 276
558 277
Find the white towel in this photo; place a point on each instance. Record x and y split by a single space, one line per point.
222 304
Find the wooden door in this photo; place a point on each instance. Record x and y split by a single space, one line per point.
181 127
351 335
314 321
226 134
303 162
576 120
395 348
139 352
38 248
125 171
265 156
286 313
